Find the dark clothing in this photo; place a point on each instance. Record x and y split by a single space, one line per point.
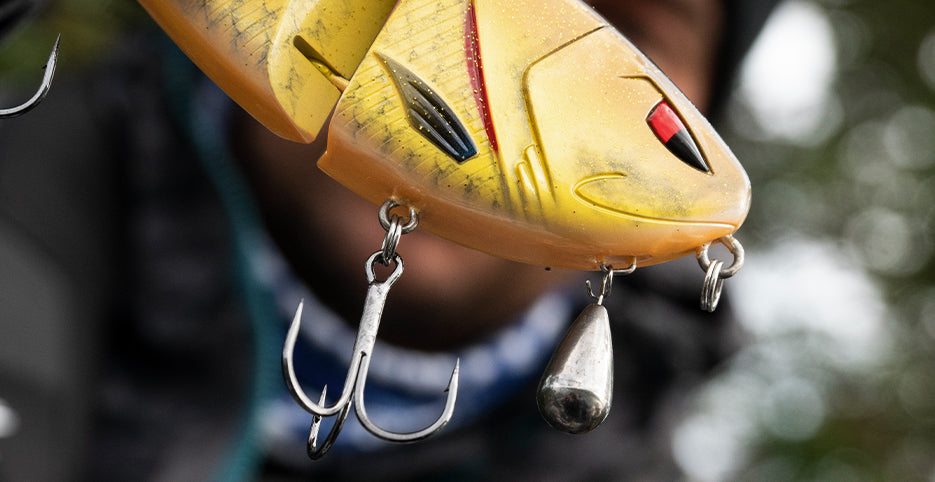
132 350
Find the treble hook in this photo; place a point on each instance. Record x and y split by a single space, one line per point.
43 87
357 371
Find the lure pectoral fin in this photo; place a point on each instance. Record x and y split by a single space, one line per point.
429 114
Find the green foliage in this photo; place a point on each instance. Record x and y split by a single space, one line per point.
869 188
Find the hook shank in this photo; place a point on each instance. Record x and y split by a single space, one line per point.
363 345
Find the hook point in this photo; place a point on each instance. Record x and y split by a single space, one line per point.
44 86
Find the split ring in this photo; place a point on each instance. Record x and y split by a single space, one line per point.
391 240
384 215
711 289
733 246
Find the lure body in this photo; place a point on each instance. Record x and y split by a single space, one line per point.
283 61
528 129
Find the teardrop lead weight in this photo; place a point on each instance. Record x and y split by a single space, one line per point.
575 391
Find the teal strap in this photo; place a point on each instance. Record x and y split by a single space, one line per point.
206 132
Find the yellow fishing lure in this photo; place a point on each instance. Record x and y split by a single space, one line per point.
528 129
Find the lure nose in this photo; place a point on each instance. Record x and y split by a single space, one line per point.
630 145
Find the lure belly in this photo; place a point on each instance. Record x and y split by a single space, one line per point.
530 130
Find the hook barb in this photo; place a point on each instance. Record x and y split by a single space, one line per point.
292 382
315 451
44 86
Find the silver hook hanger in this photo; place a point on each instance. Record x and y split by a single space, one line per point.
607 280
44 87
355 382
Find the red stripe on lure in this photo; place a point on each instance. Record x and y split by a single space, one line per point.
671 131
476 72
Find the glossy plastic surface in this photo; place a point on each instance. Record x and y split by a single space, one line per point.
284 61
568 169
528 129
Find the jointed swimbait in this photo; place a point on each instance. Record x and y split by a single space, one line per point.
528 129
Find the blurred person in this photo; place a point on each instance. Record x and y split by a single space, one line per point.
158 240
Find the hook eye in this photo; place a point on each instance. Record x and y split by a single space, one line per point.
607 282
377 257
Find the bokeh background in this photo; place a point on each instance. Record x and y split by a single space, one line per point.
834 119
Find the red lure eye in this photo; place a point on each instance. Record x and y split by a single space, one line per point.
670 130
